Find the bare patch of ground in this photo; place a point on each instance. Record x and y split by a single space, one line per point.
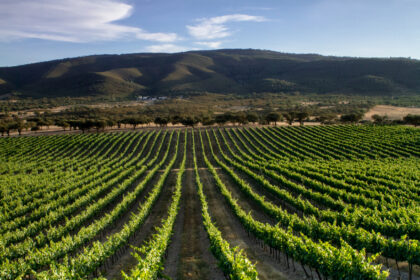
308 103
393 112
189 255
31 112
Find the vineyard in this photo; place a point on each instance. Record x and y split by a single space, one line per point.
310 202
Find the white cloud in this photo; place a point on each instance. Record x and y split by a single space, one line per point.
214 28
213 45
71 21
165 48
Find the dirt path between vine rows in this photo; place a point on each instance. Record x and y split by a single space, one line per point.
189 255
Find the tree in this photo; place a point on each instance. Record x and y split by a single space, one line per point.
3 128
221 119
190 121
133 121
273 117
351 118
208 120
290 117
44 122
11 126
302 116
62 123
229 117
378 119
18 124
99 125
252 117
161 121
326 118
147 120
263 121
110 122
85 125
125 121
240 118
412 119
74 124
176 120
31 126
119 122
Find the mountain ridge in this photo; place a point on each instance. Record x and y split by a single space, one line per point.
239 71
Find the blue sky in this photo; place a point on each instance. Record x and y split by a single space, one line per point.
32 31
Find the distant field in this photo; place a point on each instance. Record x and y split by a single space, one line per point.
299 202
393 112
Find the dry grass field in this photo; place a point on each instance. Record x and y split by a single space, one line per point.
393 112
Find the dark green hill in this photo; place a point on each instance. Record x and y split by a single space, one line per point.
220 71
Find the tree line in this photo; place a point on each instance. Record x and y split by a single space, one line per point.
101 121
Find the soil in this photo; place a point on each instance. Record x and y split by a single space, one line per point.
189 255
393 112
232 230
125 262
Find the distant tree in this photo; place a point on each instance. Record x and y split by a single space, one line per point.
19 125
301 116
110 122
378 119
119 122
44 122
99 125
147 120
30 125
85 125
133 121
125 121
351 118
208 120
221 119
263 121
326 118
229 117
252 117
74 124
273 117
412 119
9 127
62 123
161 121
3 128
176 119
190 121
290 117
240 118
13 125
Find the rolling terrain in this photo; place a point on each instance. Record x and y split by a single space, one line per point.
319 202
239 71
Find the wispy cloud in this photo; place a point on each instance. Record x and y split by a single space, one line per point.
215 27
71 21
166 48
212 45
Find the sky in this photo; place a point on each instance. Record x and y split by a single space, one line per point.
40 30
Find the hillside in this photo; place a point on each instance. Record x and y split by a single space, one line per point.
220 71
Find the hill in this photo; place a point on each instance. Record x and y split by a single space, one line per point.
239 71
